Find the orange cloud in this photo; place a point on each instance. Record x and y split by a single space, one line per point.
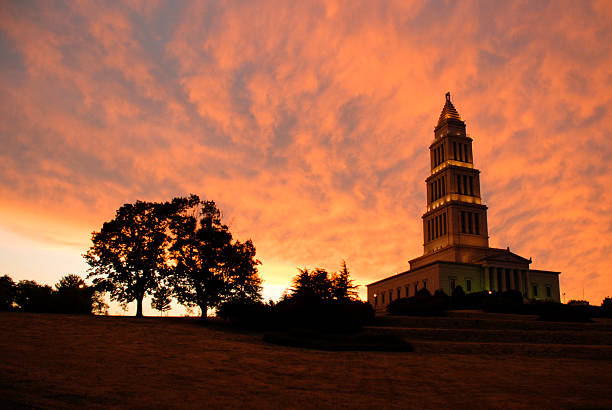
309 123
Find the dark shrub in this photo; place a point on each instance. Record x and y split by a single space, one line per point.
475 300
458 298
606 307
419 305
333 315
510 301
300 313
557 312
423 293
248 314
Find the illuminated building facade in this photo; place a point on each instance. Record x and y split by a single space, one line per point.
455 234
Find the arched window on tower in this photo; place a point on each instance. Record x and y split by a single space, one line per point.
454 150
477 223
471 185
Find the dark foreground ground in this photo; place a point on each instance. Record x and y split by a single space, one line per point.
466 360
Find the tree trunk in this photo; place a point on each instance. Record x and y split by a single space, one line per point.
203 316
139 307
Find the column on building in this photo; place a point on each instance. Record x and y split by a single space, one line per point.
487 278
502 274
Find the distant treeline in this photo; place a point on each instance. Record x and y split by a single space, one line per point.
70 295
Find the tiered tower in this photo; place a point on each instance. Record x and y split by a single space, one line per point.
455 214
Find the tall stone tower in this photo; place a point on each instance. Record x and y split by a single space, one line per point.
455 214
455 234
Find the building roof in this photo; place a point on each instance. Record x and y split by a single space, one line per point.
502 255
448 112
421 267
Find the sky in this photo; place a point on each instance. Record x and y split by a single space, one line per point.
308 123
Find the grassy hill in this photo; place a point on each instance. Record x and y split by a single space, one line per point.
465 360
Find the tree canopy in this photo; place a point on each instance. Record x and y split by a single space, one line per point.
318 284
208 267
128 255
182 245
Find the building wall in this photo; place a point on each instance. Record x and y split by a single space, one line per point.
543 280
461 274
378 293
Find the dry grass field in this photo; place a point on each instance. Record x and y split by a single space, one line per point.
463 361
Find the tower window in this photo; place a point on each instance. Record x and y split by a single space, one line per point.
442 152
444 222
465 188
428 230
462 221
454 150
464 152
470 217
436 227
477 223
434 190
458 184
443 187
471 185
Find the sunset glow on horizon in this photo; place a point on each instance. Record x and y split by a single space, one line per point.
308 123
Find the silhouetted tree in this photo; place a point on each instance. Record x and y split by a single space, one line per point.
342 285
32 297
128 255
207 268
312 285
162 299
244 283
7 293
73 296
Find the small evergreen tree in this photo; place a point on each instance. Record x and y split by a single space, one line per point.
342 285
